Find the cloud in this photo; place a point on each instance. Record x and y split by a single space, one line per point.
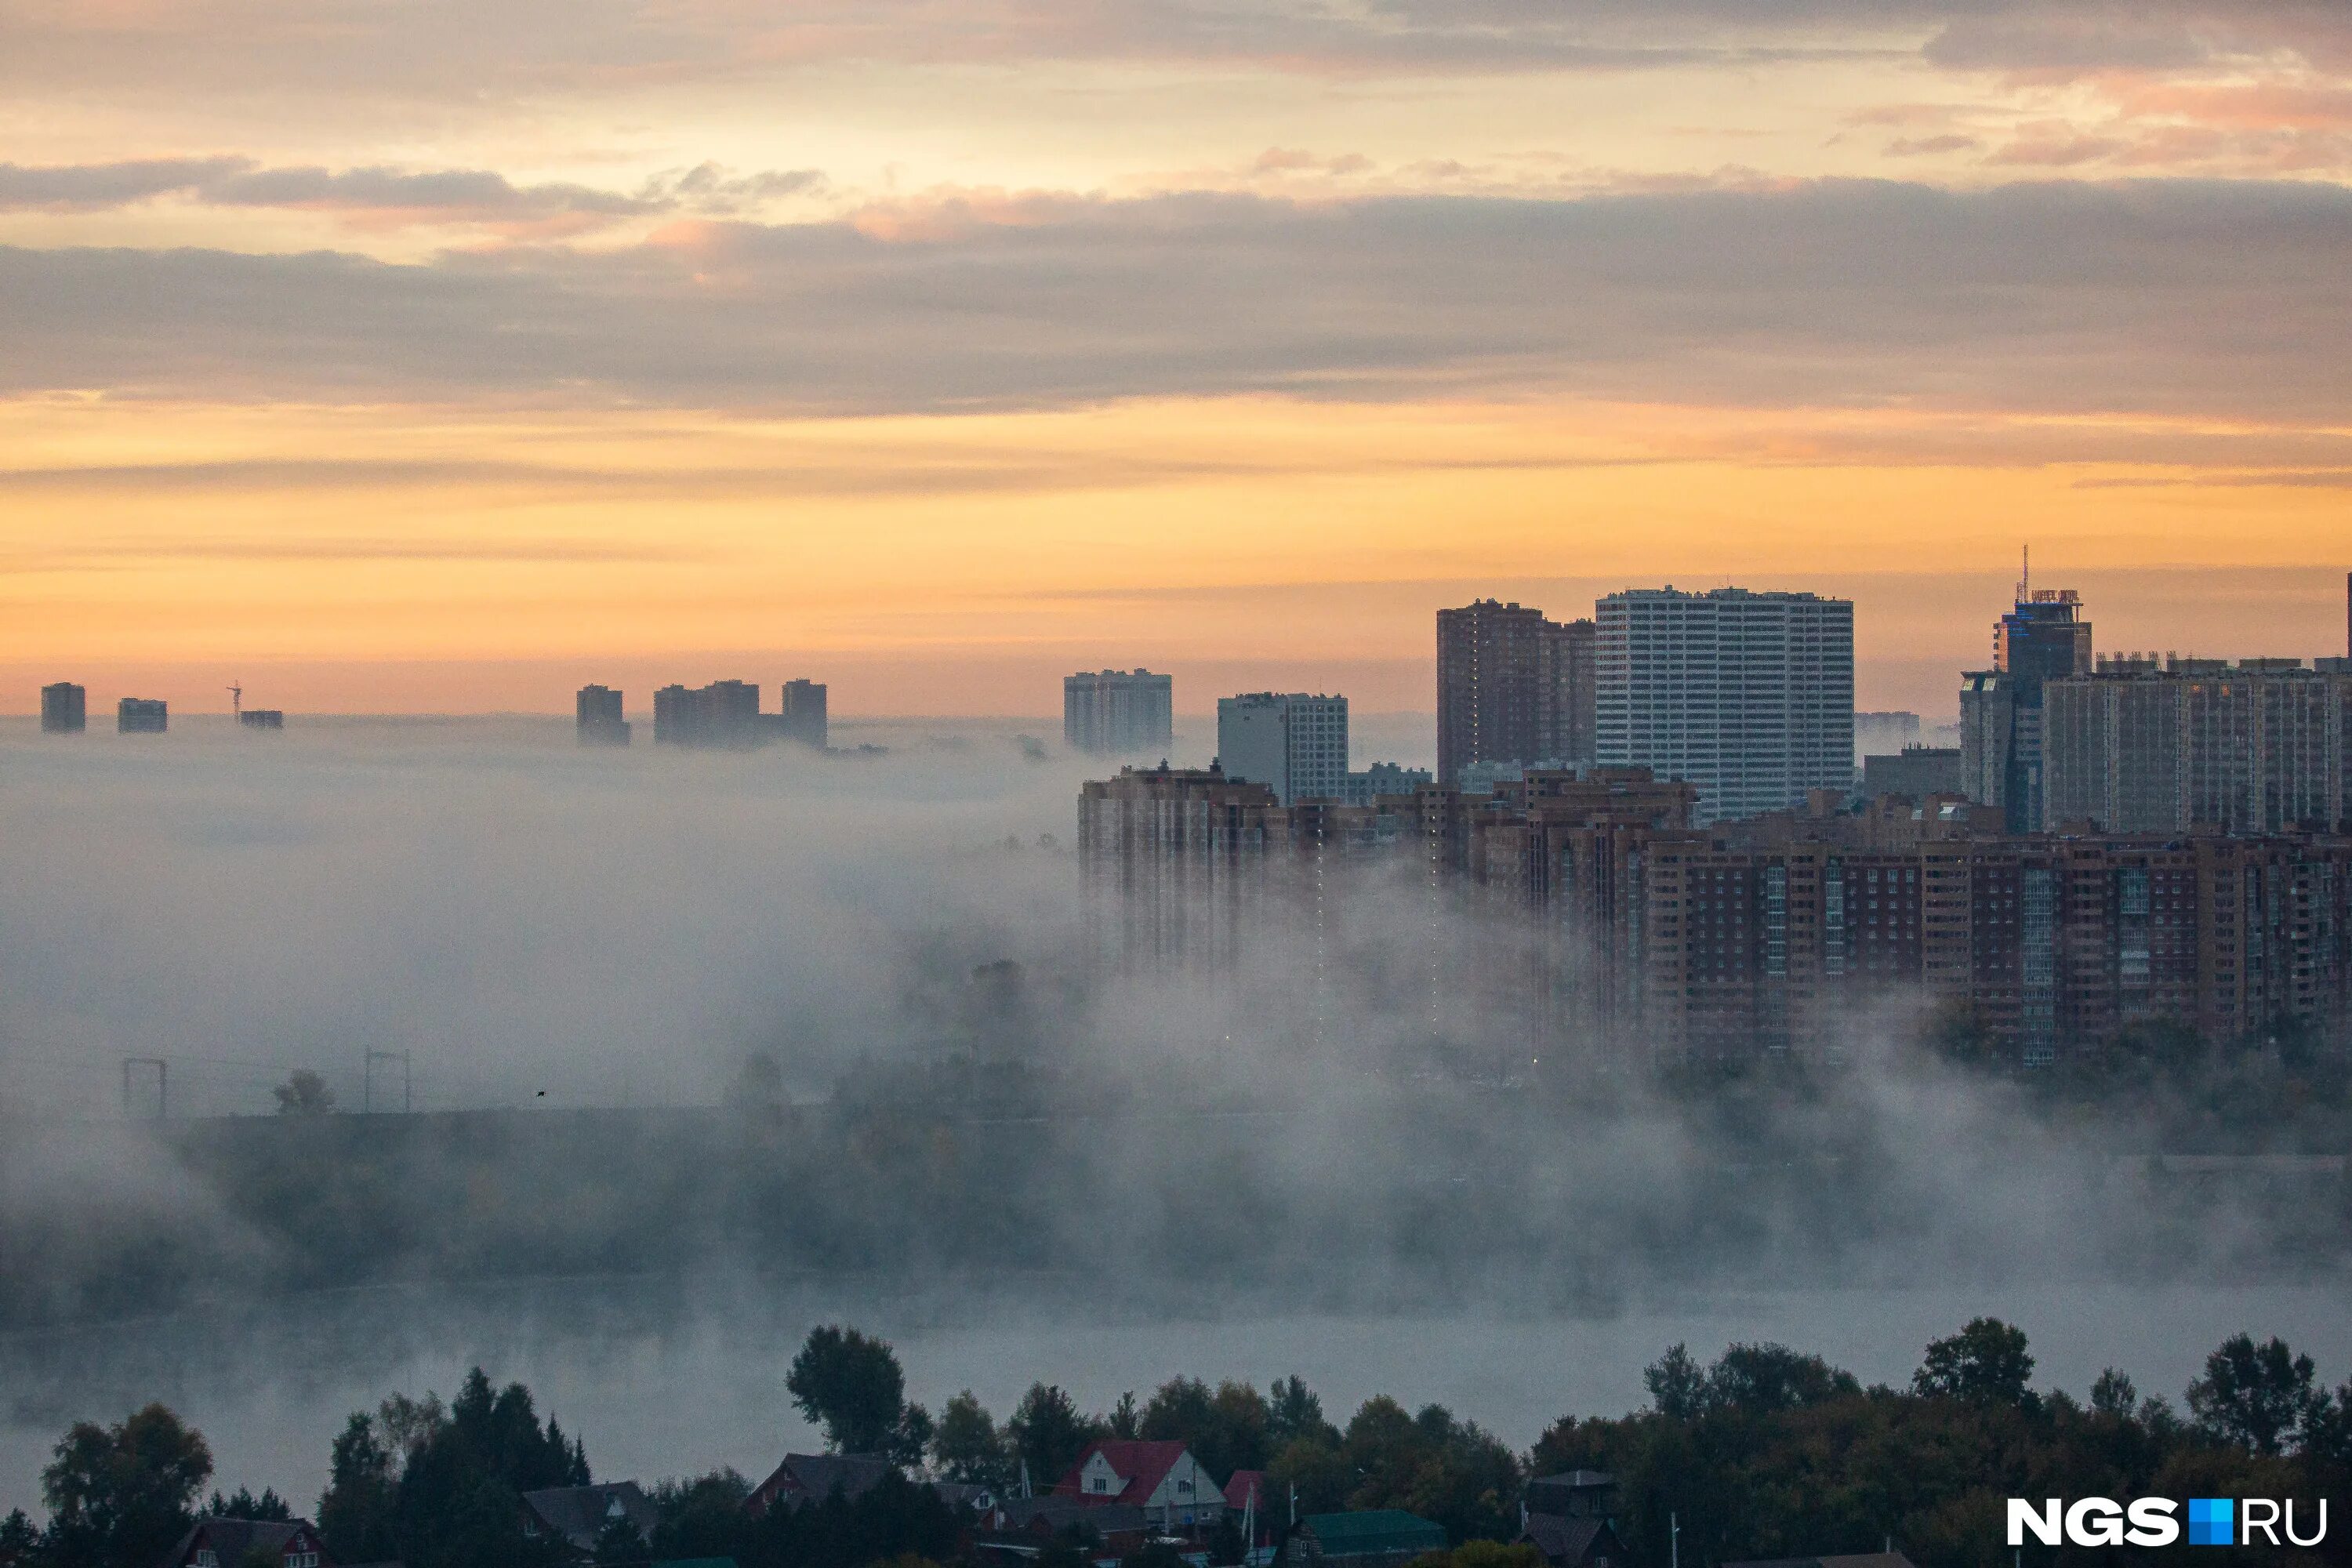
1927 146
2156 295
377 196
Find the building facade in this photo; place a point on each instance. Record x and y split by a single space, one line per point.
141 716
1915 773
723 713
64 708
1293 744
2043 639
597 719
801 716
1747 696
1118 713
1513 688
2263 746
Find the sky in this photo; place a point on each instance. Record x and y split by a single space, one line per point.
444 357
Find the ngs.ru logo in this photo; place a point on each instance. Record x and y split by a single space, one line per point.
2155 1522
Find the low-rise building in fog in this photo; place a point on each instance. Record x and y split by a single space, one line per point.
141 716
64 710
262 718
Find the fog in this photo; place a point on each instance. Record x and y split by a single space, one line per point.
1331 1163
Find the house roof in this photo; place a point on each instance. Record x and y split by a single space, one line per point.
1051 1512
579 1514
1561 1539
231 1539
1142 1464
1244 1482
1372 1532
1578 1480
813 1478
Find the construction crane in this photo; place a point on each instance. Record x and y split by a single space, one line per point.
237 701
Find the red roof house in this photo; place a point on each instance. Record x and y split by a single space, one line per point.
1161 1479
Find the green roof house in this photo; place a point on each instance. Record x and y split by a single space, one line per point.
1362 1539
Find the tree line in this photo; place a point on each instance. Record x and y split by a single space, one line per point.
1763 1452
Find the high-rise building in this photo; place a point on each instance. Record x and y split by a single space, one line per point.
1171 862
1747 696
2136 746
599 720
723 713
1884 734
141 716
1295 744
2043 639
64 710
802 718
1513 688
1118 713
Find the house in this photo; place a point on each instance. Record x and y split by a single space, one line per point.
1583 1542
813 1478
1574 1494
578 1515
1364 1539
234 1542
1243 1486
1115 1529
1850 1560
1162 1478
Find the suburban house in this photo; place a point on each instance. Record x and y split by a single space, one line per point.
1243 1486
813 1478
234 1542
1021 1526
1567 1517
1162 1478
578 1515
1370 1538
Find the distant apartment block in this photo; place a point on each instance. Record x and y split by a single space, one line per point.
724 713
1382 779
2042 639
1293 744
2263 746
141 716
1170 863
1118 713
597 717
1514 688
803 716
64 708
261 718
1914 772
1882 734
1747 696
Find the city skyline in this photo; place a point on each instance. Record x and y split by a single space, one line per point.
854 339
2292 613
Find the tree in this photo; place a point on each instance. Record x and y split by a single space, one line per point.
1225 1430
1762 1378
967 1447
1048 1434
620 1540
1294 1412
1986 1362
1124 1421
2115 1394
912 1435
850 1385
355 1512
20 1542
703 1517
2256 1396
121 1493
304 1093
1677 1386
244 1505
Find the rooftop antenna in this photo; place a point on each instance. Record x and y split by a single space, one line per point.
2025 574
237 701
